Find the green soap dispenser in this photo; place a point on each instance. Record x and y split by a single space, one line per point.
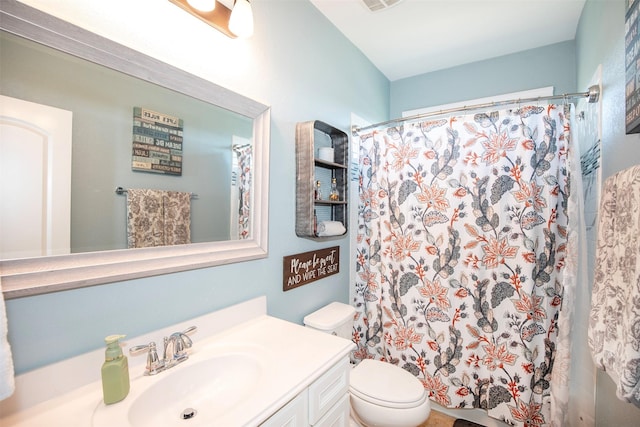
115 371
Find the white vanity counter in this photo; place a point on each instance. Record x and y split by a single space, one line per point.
285 360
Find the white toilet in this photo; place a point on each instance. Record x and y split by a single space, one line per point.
381 394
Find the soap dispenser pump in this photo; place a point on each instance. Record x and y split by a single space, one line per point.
115 371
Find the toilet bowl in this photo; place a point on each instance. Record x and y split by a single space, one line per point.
381 394
384 395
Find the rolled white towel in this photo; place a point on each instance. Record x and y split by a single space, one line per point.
331 228
7 381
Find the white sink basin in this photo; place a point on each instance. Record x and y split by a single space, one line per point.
243 368
208 385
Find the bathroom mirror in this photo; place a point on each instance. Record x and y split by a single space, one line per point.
118 132
31 276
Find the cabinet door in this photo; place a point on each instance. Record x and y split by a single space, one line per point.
293 414
327 390
338 415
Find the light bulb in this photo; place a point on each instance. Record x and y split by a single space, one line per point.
202 5
241 21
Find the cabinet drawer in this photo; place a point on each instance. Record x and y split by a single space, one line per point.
293 414
327 390
338 415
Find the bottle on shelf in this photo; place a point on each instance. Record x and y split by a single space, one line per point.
315 223
334 196
318 192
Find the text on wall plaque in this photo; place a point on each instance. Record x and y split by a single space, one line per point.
307 267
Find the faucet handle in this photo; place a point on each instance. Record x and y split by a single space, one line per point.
176 345
185 342
154 364
190 330
181 342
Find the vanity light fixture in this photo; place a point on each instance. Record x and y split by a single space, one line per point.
241 22
232 23
202 5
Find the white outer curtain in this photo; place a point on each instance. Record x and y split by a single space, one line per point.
467 260
241 195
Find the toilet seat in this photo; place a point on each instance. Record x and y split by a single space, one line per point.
386 385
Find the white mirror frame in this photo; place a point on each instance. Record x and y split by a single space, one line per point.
34 276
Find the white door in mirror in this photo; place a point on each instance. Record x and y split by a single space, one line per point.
35 147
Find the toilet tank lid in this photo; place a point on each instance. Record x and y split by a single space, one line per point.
330 316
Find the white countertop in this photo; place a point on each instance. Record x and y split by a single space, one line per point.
297 356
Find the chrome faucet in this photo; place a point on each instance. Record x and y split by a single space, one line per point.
154 364
176 345
175 351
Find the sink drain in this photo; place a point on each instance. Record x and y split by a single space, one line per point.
188 413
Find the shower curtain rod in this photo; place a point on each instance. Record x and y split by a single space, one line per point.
593 95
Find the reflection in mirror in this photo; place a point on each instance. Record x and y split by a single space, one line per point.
221 155
105 142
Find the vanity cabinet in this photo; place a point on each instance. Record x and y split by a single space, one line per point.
311 137
328 392
325 403
293 414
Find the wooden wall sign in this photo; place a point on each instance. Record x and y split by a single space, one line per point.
157 142
632 66
307 267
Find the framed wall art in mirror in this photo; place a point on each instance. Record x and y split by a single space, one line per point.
98 261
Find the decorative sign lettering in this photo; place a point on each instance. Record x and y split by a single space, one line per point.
632 65
308 267
157 142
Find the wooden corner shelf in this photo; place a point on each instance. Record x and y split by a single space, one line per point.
310 136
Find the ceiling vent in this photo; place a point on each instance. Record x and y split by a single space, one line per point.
375 5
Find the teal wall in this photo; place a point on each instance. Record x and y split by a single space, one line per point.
552 65
295 73
302 78
600 40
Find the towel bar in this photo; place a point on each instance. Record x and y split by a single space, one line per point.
120 191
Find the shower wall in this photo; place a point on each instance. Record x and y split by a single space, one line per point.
489 78
600 41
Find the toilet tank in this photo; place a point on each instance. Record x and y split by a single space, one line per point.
335 318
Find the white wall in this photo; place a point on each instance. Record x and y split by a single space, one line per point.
600 40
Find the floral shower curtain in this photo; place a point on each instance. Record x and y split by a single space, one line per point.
463 252
243 157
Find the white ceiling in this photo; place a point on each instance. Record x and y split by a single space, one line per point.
418 36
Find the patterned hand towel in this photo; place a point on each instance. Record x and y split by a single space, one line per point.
145 218
177 218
